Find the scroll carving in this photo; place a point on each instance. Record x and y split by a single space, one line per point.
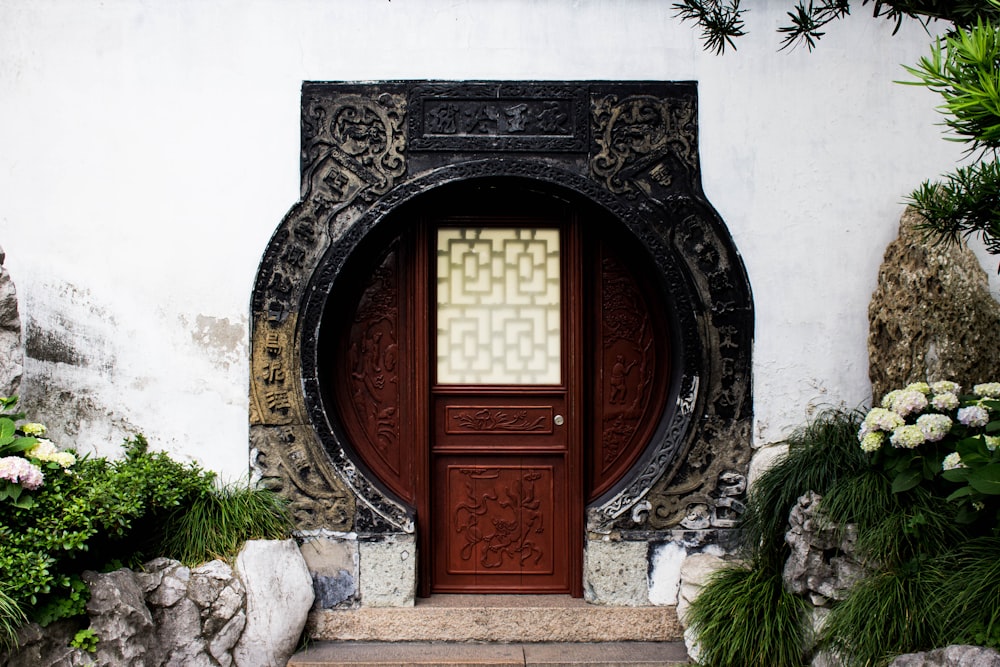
627 349
643 142
493 419
501 517
353 147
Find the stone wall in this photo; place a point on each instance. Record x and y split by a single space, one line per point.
250 614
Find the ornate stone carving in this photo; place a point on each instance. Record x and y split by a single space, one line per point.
497 117
644 142
287 460
628 148
352 147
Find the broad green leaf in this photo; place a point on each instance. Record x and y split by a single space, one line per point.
961 493
986 479
906 480
21 444
957 474
7 429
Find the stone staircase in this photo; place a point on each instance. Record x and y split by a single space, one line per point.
494 630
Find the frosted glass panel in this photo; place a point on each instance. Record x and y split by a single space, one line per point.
498 315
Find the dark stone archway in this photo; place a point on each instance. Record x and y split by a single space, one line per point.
629 149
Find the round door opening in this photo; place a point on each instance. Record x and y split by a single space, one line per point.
496 355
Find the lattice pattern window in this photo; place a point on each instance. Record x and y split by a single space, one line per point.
498 306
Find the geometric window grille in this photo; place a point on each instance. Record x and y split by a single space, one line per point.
498 306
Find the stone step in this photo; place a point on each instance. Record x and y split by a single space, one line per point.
512 619
455 654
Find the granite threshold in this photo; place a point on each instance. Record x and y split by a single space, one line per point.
453 654
506 619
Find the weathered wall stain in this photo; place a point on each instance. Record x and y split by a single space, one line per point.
223 342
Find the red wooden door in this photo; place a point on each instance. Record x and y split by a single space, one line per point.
498 451
506 478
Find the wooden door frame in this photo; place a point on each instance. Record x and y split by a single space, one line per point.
573 372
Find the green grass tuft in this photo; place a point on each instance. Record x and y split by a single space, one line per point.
217 524
746 618
11 618
819 454
884 615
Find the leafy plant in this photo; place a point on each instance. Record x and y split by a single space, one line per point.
85 639
964 69
930 435
819 454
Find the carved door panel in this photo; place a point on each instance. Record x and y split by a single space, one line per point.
506 479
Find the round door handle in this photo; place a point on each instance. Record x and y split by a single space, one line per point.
558 419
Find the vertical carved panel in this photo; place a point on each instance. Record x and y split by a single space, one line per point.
501 519
372 376
630 380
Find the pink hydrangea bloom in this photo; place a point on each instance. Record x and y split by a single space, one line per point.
974 415
21 471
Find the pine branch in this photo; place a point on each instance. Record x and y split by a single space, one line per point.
966 203
721 21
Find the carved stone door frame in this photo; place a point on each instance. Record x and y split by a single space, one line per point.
628 149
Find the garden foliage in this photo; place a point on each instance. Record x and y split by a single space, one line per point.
919 477
61 514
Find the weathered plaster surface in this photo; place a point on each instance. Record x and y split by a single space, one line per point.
148 151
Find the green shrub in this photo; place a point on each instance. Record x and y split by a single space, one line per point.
95 513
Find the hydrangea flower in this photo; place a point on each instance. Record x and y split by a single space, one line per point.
952 461
922 387
973 415
987 390
992 442
21 471
872 441
890 397
909 401
934 427
946 387
32 428
908 436
880 419
46 451
945 401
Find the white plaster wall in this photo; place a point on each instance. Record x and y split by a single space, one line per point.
149 149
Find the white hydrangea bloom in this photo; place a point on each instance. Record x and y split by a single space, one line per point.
934 427
946 400
946 387
907 437
987 390
952 461
908 402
